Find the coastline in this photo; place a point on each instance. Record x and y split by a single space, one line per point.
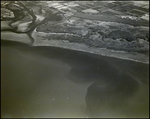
105 30
64 44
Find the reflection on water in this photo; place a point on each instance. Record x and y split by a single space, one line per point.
51 82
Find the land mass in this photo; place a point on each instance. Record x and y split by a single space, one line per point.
103 28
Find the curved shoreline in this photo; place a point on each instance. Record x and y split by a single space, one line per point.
80 47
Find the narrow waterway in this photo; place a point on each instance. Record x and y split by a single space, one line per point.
54 82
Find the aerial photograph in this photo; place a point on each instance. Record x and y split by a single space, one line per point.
75 59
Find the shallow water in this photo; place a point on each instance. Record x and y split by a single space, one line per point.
53 82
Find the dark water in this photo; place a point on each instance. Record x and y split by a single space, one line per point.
53 82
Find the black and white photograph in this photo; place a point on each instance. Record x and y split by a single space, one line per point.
75 59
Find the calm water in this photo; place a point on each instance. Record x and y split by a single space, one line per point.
52 82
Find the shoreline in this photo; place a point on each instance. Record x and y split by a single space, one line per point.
81 47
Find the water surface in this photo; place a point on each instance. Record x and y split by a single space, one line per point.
54 82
